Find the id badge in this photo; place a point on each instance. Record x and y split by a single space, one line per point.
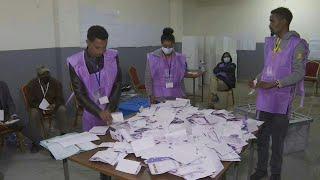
169 85
1 115
99 93
104 100
44 104
269 74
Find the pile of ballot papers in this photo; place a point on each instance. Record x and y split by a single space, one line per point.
67 145
177 138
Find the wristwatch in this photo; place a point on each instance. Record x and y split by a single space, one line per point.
278 85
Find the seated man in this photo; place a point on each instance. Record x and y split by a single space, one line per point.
44 94
225 80
7 108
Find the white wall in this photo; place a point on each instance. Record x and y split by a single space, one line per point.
176 18
26 24
33 24
139 11
247 18
66 23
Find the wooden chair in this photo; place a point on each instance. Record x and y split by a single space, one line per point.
228 92
46 115
312 74
5 130
140 88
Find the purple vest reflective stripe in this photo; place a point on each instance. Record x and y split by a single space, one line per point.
276 67
158 67
107 77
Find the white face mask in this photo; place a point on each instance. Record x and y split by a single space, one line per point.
167 51
226 59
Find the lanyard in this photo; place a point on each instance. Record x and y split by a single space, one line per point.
169 64
44 92
277 46
98 76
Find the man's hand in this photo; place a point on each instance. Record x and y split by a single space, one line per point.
14 116
51 107
251 85
266 85
106 116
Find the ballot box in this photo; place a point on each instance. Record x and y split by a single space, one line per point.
298 131
132 105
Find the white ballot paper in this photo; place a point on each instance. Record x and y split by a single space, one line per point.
117 117
160 165
99 130
128 166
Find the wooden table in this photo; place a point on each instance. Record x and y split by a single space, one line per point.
196 74
106 169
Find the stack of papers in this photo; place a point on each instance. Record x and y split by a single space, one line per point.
161 165
70 144
128 166
108 156
117 117
142 144
106 144
253 125
87 146
177 138
99 130
76 139
59 152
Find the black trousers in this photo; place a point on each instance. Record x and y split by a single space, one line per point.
276 126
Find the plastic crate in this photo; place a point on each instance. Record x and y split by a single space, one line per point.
133 105
298 131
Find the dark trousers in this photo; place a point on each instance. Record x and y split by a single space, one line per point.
276 126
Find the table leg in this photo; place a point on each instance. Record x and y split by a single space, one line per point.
65 169
1 176
104 177
202 79
236 171
251 156
194 90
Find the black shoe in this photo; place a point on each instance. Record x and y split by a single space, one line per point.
35 148
275 177
258 175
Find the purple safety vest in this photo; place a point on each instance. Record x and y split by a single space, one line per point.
107 78
278 66
159 66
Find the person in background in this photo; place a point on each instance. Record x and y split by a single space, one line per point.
8 115
165 70
224 79
44 95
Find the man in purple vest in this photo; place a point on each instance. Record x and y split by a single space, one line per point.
96 79
281 78
165 70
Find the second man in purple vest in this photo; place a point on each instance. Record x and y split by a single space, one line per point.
165 70
285 55
96 79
